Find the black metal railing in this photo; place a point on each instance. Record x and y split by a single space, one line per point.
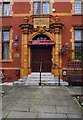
40 73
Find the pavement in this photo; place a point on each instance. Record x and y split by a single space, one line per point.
40 102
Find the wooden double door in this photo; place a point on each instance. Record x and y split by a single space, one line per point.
41 54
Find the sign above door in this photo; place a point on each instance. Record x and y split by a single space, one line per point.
41 42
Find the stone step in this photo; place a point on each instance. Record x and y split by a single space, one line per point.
38 76
37 83
37 79
44 77
43 74
34 79
41 80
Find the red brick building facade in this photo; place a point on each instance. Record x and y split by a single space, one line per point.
38 31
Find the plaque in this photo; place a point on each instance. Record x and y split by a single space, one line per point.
16 55
41 22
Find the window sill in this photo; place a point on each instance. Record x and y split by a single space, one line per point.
77 60
41 14
6 60
77 14
6 16
80 41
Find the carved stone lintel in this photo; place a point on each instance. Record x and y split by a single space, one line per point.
55 26
41 29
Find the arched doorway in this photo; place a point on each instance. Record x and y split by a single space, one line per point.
41 53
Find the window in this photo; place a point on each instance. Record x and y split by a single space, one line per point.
46 8
78 7
5 44
0 9
78 50
36 7
5 8
41 7
78 35
41 37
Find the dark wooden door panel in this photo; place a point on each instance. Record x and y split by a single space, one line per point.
41 54
35 66
46 67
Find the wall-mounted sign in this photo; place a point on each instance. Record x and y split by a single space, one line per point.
16 38
17 55
41 22
41 42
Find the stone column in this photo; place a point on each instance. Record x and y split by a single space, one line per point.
24 56
26 28
29 59
57 57
55 27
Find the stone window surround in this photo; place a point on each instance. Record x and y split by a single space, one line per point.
2 2
10 48
73 7
73 38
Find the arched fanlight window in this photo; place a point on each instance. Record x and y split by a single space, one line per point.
41 37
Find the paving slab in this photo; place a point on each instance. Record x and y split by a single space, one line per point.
9 101
51 102
43 108
75 116
5 113
40 102
69 103
18 107
19 114
29 101
76 90
48 115
72 110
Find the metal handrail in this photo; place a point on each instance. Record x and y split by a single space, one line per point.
40 73
40 66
